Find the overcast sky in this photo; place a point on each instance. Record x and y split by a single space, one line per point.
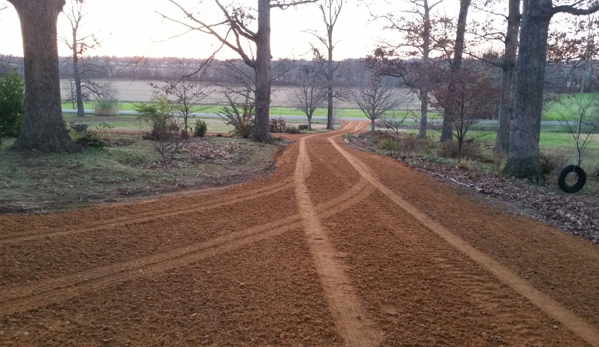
133 28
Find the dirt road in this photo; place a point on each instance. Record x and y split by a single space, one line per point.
337 248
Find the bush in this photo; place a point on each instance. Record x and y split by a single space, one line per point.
449 149
240 115
107 104
157 115
277 125
200 128
91 139
12 102
302 127
389 145
106 108
552 163
292 130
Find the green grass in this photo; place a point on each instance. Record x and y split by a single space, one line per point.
566 106
40 182
274 111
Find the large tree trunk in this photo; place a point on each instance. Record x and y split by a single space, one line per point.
523 155
502 143
456 65
263 58
43 126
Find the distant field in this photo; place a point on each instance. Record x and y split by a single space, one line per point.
274 111
130 123
283 103
567 106
140 91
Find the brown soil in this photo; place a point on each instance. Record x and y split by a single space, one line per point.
337 248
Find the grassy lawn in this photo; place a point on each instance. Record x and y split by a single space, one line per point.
41 182
130 123
567 106
274 111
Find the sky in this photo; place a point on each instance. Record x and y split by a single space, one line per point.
134 28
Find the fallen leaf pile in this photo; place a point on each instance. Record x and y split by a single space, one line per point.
200 150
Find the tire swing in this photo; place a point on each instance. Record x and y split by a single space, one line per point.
581 179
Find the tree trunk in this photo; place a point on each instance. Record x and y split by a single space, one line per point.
502 143
426 43
423 112
43 126
260 132
77 77
523 155
372 124
330 120
456 65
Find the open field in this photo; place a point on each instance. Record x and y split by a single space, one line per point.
140 91
568 105
131 92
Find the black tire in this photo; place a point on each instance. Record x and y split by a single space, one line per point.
582 179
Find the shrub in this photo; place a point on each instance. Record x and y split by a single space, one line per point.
239 114
389 145
449 149
104 130
157 115
107 104
302 127
277 125
12 102
552 163
91 139
200 128
106 108
94 139
292 130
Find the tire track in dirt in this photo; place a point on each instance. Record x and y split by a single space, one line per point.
552 308
345 306
149 215
509 317
48 291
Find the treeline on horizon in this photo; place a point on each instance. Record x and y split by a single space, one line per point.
285 72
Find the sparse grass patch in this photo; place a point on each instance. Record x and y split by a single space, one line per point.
33 182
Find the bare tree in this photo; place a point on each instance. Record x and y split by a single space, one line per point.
509 68
234 32
416 26
473 95
507 63
183 91
78 45
312 89
375 97
330 11
456 65
582 121
523 155
43 126
577 52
